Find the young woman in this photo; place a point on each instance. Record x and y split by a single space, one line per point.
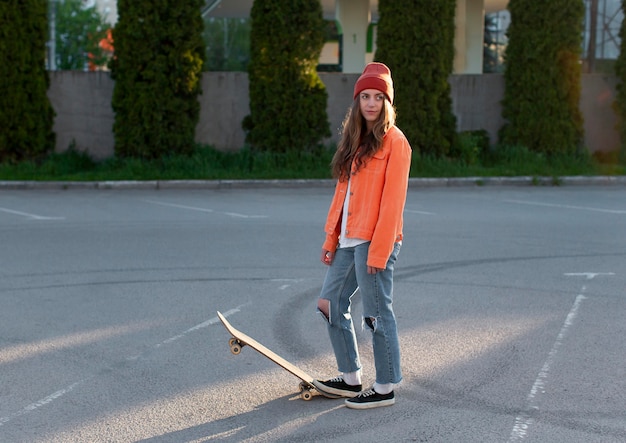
363 238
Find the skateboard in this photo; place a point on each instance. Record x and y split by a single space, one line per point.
239 340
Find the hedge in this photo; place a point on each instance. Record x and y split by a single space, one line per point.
287 97
157 67
26 114
543 76
416 40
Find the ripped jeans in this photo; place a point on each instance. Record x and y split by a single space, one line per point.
346 274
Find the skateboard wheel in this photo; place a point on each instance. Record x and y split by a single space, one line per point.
303 386
306 395
232 341
235 348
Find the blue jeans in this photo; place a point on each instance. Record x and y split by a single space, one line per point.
346 274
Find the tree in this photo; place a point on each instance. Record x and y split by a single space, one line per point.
542 76
157 67
79 31
287 97
26 115
620 71
416 40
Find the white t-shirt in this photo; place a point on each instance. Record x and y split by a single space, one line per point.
346 242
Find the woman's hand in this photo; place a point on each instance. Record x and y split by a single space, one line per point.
327 257
373 270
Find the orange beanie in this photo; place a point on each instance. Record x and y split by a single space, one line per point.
375 76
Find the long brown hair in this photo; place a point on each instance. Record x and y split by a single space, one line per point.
356 144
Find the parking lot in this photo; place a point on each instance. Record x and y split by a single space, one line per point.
510 301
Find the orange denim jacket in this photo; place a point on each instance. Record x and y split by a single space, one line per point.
377 196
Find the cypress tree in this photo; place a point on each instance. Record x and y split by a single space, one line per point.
26 115
157 67
620 72
287 97
416 40
542 76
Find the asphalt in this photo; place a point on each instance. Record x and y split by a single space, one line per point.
232 184
510 304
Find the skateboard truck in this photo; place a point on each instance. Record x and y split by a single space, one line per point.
235 346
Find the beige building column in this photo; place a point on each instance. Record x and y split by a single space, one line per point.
354 17
468 39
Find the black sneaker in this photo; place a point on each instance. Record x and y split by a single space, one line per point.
370 399
337 387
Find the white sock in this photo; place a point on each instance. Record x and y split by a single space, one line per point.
383 389
352 378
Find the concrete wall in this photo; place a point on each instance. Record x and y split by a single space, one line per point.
82 101
223 106
476 104
598 95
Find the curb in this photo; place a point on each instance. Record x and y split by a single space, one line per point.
520 181
240 184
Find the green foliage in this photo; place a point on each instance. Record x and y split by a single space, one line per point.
26 115
157 67
207 163
227 44
542 76
472 146
416 40
203 163
79 30
511 161
287 97
620 71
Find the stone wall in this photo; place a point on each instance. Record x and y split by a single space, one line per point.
84 118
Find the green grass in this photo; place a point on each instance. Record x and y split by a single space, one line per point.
209 164
204 164
514 161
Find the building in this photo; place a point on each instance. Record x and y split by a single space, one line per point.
356 18
108 9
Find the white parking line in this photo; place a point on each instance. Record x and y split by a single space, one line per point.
412 211
38 404
524 421
587 275
553 205
194 208
31 216
61 392
205 324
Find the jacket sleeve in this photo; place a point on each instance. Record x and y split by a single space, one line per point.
331 242
333 220
389 225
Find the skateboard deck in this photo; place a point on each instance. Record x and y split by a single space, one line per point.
239 340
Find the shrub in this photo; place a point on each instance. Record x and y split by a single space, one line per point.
157 67
416 40
542 76
472 147
287 97
26 115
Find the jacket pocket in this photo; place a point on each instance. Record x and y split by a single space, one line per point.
377 163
